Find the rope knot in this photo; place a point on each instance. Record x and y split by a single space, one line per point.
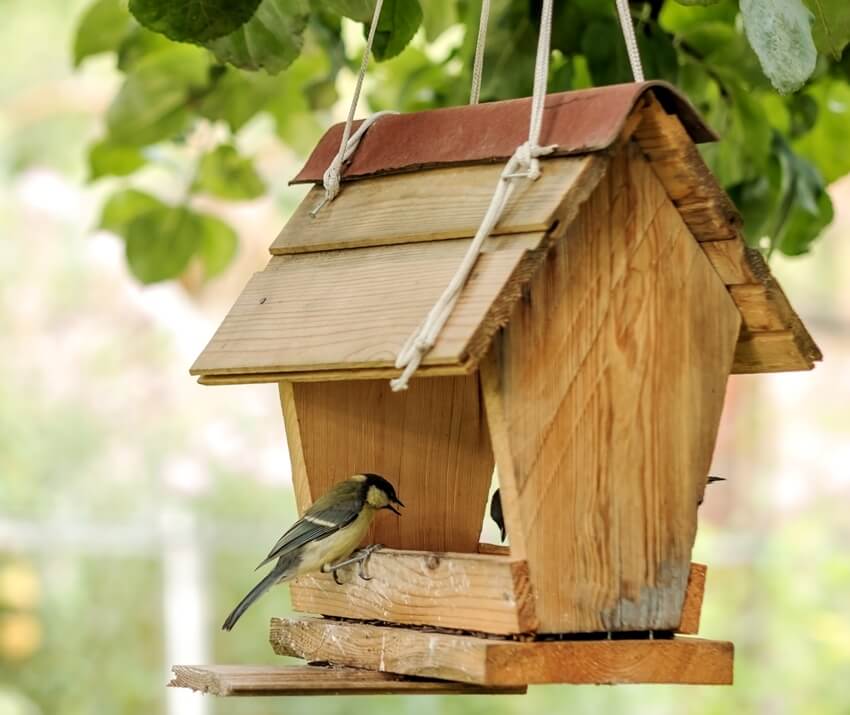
524 162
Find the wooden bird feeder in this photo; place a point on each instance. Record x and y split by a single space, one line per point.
587 360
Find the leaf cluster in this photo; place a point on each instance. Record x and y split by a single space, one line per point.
771 76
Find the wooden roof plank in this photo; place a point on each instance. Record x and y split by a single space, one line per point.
354 309
427 206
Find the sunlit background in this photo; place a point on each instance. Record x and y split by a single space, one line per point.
134 503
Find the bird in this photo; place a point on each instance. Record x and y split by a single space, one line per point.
497 516
496 513
711 479
329 530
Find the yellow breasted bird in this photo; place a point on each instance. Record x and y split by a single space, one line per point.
330 530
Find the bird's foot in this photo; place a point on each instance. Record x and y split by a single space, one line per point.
361 558
366 554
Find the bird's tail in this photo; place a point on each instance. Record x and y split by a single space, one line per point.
269 580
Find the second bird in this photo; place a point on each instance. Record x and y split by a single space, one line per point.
330 530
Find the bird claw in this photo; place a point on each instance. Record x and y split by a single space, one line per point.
366 554
361 558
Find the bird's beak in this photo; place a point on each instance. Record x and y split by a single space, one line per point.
393 509
712 478
398 501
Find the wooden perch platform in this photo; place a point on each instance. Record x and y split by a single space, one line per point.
494 662
235 680
471 592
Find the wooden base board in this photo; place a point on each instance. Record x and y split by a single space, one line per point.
492 662
487 593
472 592
245 680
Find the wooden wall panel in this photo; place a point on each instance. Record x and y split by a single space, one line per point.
431 441
604 396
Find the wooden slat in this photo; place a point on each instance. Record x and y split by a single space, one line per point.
729 259
692 607
431 441
254 680
759 311
776 351
354 309
376 373
488 661
471 592
706 209
602 460
427 206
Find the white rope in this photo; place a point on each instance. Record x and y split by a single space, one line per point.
348 144
523 164
480 44
628 29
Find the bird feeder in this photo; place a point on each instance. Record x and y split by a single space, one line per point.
586 360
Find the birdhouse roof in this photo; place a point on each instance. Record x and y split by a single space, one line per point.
343 290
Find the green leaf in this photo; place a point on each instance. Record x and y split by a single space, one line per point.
152 104
270 40
697 2
806 208
193 20
125 206
237 96
106 158
160 243
101 29
780 32
439 16
297 125
359 10
832 25
825 143
217 245
224 173
140 43
399 21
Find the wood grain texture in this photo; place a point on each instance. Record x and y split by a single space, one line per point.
729 259
705 208
431 441
776 351
692 607
601 461
254 680
472 592
487 661
354 309
379 373
759 311
300 480
426 206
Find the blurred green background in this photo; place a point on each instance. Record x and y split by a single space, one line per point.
134 503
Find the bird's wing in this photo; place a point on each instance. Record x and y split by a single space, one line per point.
327 515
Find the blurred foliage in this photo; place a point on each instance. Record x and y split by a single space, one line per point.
770 77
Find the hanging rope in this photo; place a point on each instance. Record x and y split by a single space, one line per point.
348 144
523 164
628 29
480 44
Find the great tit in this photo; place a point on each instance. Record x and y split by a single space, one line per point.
497 516
711 479
496 513
329 530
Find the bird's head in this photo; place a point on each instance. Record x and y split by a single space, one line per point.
380 494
